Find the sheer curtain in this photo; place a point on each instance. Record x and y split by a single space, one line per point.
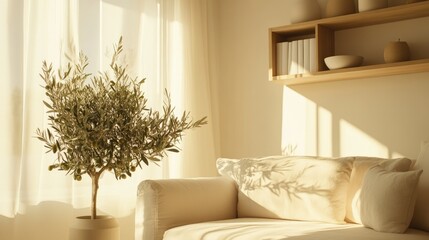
164 40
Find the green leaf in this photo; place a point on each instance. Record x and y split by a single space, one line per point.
54 148
144 159
48 105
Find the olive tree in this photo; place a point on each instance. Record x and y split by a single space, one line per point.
101 123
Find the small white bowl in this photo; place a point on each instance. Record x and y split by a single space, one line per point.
343 61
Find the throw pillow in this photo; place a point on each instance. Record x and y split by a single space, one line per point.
421 212
388 199
360 167
298 188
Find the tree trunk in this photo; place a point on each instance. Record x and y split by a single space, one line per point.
95 179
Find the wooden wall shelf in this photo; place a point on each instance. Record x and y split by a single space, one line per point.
323 30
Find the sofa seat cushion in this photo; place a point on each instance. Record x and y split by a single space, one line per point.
277 229
293 188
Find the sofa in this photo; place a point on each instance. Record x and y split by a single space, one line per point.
291 198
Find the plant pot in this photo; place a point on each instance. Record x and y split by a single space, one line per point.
368 5
304 10
101 228
339 7
396 52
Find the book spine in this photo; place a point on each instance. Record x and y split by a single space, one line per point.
300 56
307 55
294 58
282 58
313 56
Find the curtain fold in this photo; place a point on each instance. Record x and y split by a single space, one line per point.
164 41
185 70
10 99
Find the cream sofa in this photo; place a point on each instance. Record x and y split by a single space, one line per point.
291 198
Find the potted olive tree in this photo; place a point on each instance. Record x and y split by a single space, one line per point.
101 123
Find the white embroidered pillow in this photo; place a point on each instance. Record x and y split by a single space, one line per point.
299 188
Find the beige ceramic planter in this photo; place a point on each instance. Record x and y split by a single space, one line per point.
396 52
102 228
304 10
368 5
339 7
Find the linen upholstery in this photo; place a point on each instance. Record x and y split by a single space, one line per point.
421 212
300 188
183 209
277 229
388 199
360 168
168 203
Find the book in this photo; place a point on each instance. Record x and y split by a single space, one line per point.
294 68
306 56
282 58
289 57
313 55
300 56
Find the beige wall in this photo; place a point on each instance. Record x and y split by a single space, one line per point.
384 117
249 106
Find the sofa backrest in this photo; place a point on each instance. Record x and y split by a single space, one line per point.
303 187
299 188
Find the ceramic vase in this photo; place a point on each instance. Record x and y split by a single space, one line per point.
304 10
339 7
397 51
368 5
102 228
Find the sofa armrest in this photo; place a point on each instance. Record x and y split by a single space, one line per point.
167 203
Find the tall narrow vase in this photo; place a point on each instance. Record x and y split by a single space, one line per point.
304 10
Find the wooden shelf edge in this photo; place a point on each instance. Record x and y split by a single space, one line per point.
379 16
372 71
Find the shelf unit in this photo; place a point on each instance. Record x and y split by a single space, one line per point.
323 30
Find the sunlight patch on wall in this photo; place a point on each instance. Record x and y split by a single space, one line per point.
325 132
299 125
307 127
354 141
311 129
